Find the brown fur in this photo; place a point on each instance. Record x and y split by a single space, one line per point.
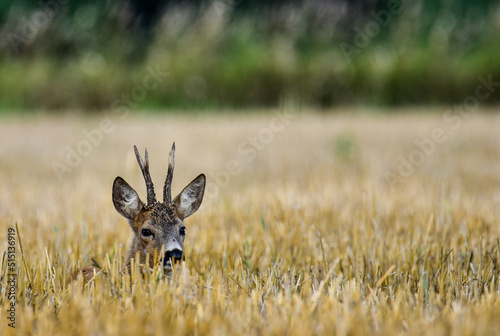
165 223
88 273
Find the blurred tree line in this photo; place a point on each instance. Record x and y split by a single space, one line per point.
93 55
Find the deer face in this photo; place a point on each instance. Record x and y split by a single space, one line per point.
157 226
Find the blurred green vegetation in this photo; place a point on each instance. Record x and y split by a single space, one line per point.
94 55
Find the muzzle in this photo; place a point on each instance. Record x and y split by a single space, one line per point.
174 255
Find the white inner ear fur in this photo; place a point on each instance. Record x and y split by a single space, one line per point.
186 202
128 202
190 198
131 201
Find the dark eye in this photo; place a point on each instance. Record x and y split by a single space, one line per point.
182 231
146 233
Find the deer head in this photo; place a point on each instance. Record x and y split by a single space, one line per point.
157 226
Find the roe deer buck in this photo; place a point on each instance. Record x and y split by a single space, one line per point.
157 225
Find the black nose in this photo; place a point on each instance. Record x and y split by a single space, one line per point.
175 255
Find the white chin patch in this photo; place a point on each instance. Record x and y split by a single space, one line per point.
168 265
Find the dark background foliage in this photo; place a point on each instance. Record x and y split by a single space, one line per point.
70 54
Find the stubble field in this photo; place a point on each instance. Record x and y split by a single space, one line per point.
349 223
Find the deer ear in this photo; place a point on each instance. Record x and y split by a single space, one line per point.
189 200
125 199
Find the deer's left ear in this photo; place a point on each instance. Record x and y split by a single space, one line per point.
189 200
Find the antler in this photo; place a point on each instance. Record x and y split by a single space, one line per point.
167 188
147 176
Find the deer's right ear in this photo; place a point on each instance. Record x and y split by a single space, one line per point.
125 199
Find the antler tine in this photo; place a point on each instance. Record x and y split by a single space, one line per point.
167 188
147 176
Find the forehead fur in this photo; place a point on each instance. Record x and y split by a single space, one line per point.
160 213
